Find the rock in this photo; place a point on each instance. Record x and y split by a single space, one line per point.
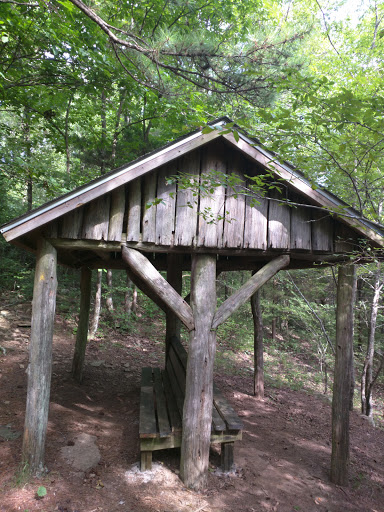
84 454
8 434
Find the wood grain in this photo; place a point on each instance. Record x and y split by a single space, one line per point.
141 266
40 357
134 211
186 203
342 375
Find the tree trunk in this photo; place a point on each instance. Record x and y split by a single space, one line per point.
367 375
109 300
97 309
342 377
128 296
82 328
66 135
360 316
40 357
258 378
103 115
197 414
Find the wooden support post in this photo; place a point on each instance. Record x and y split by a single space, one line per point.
82 328
197 413
40 357
155 283
145 461
175 279
227 456
342 378
258 354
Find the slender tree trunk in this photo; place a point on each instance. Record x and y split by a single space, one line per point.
103 115
258 380
128 296
367 375
360 316
96 312
66 135
109 300
342 376
27 141
123 94
82 328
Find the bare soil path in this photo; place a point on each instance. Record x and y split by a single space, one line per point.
281 465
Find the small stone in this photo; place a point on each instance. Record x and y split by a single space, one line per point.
21 366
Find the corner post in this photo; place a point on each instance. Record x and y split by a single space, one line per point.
82 328
175 279
342 378
40 357
197 413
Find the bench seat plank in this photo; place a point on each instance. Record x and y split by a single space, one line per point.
226 411
218 424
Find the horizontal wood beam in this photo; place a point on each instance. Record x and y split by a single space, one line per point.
143 268
238 298
85 245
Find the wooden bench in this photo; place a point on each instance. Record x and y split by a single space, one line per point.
161 410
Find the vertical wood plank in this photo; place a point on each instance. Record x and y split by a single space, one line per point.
149 214
116 217
322 231
342 375
345 239
233 235
279 223
96 219
82 328
301 228
72 223
197 413
51 230
134 211
211 229
165 210
40 357
186 202
256 223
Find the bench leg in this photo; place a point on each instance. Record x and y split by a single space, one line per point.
146 461
227 456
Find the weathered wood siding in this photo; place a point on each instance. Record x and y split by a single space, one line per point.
150 210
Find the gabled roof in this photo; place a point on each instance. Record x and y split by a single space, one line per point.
247 145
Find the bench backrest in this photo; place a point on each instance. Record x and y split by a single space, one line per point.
176 365
224 417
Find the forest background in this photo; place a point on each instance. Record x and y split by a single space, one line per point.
85 88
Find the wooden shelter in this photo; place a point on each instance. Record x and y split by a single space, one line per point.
206 223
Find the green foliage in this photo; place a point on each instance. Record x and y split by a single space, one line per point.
41 492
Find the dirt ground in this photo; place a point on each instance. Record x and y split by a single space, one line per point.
282 463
